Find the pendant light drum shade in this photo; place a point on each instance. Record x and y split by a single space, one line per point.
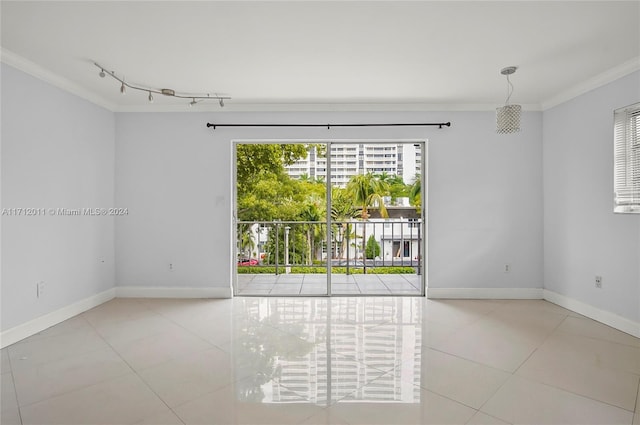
508 119
508 116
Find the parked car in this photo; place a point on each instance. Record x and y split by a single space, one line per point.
247 262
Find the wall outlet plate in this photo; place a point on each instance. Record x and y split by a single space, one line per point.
598 281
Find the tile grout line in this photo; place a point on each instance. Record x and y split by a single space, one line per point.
81 387
518 368
15 390
554 386
135 372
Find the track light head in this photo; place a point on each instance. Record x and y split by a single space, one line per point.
150 98
222 103
123 89
102 74
193 102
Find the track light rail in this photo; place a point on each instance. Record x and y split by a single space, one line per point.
195 98
425 124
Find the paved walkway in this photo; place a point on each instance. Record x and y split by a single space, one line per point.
342 284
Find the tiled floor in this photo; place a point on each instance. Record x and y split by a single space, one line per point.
343 360
341 284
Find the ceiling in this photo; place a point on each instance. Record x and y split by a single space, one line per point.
332 55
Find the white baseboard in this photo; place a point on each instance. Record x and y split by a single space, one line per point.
602 316
171 292
486 293
32 327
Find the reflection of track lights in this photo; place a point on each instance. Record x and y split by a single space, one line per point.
195 98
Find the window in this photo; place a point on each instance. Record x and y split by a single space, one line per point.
626 179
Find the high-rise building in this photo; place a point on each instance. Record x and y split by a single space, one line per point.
347 160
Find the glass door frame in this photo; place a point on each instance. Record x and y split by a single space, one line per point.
423 261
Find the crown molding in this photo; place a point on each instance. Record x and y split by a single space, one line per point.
284 106
12 59
599 80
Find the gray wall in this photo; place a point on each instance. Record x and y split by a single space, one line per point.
57 152
175 176
485 197
583 237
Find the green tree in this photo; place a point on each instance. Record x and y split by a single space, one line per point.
245 240
397 188
342 210
256 161
313 211
415 194
372 250
367 191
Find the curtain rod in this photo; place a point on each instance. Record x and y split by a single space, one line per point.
439 124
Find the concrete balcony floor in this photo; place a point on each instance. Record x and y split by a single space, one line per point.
341 284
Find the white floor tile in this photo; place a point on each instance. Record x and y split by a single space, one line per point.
317 360
70 373
597 369
147 352
32 352
461 380
5 365
188 377
420 407
483 419
521 401
245 402
120 401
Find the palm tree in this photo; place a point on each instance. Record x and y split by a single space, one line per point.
312 211
415 194
368 191
342 210
247 243
304 177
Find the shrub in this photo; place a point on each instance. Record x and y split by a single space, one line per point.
372 249
322 270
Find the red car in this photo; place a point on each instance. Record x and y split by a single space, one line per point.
248 262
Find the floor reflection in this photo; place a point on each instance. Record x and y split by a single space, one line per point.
323 351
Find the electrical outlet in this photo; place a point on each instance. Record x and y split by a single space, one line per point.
598 281
40 289
170 267
507 268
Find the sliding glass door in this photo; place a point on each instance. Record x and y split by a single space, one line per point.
329 218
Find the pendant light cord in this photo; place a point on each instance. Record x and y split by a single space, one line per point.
509 90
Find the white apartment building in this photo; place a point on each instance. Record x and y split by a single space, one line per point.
347 160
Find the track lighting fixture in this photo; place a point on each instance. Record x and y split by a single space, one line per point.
195 98
508 116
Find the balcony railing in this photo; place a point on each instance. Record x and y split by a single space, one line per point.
351 246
